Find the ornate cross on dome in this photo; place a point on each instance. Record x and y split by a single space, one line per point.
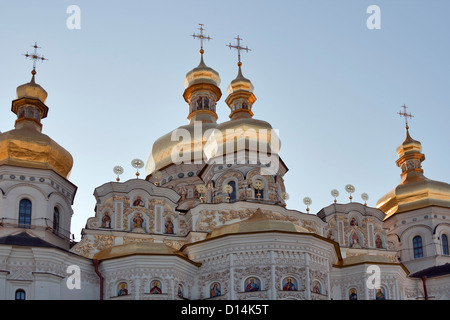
35 57
406 115
201 37
238 48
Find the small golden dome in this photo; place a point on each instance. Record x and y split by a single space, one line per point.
240 83
415 191
258 222
202 74
31 90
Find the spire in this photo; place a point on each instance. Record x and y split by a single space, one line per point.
409 153
241 97
202 88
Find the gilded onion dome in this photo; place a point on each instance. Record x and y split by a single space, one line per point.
415 191
26 146
185 144
245 131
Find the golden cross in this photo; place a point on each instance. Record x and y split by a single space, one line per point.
201 37
239 48
35 57
406 115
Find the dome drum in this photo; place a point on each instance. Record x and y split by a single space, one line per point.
29 109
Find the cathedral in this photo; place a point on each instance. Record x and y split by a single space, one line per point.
209 220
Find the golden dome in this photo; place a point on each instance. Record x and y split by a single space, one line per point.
258 222
257 134
27 147
240 83
415 191
31 90
202 74
177 144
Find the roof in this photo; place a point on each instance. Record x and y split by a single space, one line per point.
368 259
432 272
26 240
258 222
135 249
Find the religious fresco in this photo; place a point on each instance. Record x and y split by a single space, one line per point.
138 202
290 284
215 290
354 222
168 226
106 220
380 294
155 287
352 294
138 221
354 240
122 289
252 284
180 290
317 287
378 242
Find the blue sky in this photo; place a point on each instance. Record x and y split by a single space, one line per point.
329 84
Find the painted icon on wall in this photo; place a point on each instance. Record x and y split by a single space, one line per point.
252 284
123 289
169 226
317 288
290 284
215 290
106 220
155 287
379 295
138 202
352 294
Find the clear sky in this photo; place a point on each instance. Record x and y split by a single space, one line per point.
328 83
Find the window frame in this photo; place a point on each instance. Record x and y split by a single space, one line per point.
25 212
417 247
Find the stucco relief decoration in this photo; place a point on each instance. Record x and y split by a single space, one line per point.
103 241
84 247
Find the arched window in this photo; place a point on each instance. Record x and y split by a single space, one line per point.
445 244
20 294
55 220
233 193
417 246
259 194
24 213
